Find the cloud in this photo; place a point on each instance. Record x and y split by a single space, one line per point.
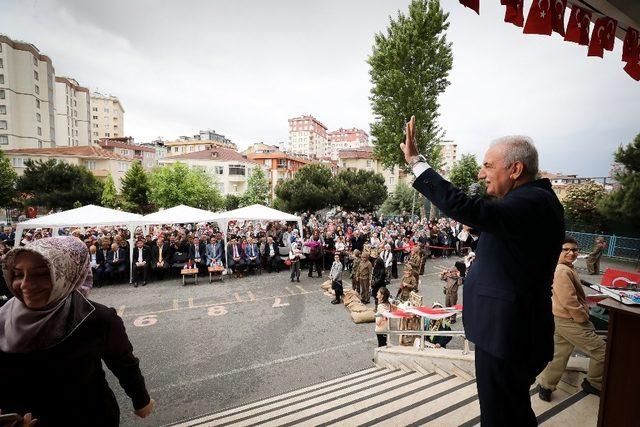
244 67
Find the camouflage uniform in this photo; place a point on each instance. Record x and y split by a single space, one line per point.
363 277
410 284
414 263
355 285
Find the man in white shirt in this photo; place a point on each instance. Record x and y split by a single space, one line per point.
139 264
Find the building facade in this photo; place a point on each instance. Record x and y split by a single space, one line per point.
204 140
107 117
449 156
279 165
72 105
100 162
125 147
346 139
27 117
230 169
308 137
362 159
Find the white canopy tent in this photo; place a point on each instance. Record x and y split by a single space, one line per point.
86 216
178 215
254 213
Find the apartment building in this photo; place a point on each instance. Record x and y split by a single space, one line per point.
203 140
346 139
279 165
449 152
125 147
230 169
26 96
100 162
72 113
362 159
308 137
107 117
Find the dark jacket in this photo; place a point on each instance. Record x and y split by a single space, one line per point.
507 294
65 385
146 255
101 258
202 250
155 254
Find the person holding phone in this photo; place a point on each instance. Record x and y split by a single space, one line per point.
53 341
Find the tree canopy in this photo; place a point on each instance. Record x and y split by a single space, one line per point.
581 206
358 190
410 66
624 202
8 178
258 189
54 184
176 184
400 201
309 189
135 190
109 197
465 173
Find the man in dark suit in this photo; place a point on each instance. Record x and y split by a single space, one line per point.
140 263
236 256
507 294
272 253
160 258
101 274
116 262
252 252
198 254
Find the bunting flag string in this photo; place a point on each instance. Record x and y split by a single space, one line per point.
547 16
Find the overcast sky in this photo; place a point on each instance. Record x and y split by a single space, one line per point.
244 67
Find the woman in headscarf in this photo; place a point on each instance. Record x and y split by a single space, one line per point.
53 341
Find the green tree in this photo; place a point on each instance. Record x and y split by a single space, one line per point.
77 204
400 201
358 190
309 189
109 197
55 184
410 65
465 172
581 206
176 184
624 202
8 178
258 189
231 202
135 190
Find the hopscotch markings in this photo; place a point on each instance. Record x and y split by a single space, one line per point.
121 310
190 302
286 288
278 303
237 296
148 320
252 297
217 310
304 291
176 305
207 305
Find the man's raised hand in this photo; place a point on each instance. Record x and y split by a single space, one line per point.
409 148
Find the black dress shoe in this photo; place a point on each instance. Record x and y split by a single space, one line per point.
544 393
587 387
335 301
298 280
135 285
144 283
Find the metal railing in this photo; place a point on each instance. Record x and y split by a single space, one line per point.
619 247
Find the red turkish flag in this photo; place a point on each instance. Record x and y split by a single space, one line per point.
578 26
630 45
514 12
557 16
539 18
633 65
596 47
472 4
609 34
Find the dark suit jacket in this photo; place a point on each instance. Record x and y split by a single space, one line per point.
507 294
101 259
155 254
256 251
241 253
202 249
122 256
146 256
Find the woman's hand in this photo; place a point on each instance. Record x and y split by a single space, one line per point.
27 421
146 411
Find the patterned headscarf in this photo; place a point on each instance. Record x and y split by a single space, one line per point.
23 329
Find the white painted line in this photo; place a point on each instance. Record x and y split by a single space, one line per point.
252 297
237 297
121 310
260 365
190 302
176 306
289 290
302 289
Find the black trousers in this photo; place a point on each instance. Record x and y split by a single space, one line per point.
382 340
503 391
336 285
139 273
318 264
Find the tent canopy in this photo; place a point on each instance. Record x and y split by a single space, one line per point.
256 212
178 215
86 216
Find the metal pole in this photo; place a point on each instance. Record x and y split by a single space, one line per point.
413 204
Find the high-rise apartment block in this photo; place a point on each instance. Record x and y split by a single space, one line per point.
107 117
72 113
308 137
26 96
346 139
449 156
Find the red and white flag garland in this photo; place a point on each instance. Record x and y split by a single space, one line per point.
547 16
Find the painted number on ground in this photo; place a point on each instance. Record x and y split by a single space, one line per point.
217 310
148 320
278 303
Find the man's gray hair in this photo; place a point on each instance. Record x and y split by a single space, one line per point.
520 148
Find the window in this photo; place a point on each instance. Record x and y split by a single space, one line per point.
1 79
39 143
37 89
368 163
1 63
95 109
106 110
123 166
38 117
219 170
95 125
1 93
107 134
4 139
35 61
95 134
391 180
17 162
39 131
220 186
282 163
3 124
3 109
237 170
75 104
95 117
35 75
37 103
90 164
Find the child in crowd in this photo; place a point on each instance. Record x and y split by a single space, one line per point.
438 325
335 274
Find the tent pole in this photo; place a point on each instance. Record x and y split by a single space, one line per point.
132 228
